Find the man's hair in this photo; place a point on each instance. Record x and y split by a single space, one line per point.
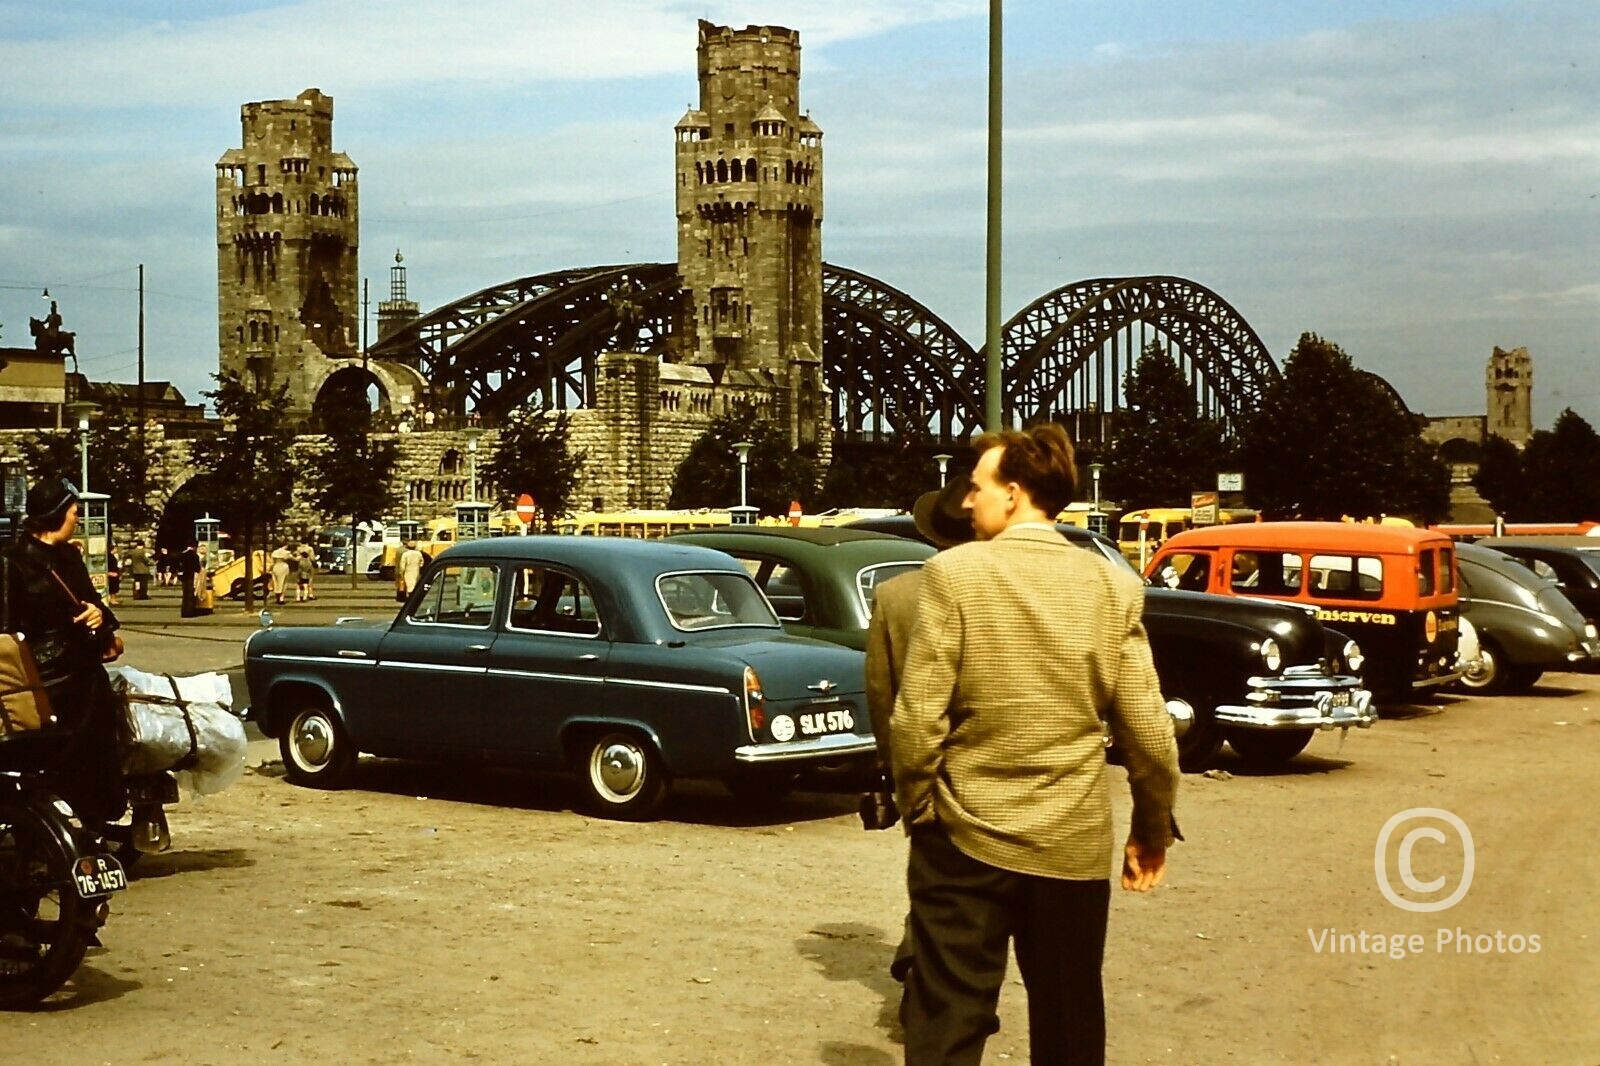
1040 459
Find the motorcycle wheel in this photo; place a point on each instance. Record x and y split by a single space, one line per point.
45 926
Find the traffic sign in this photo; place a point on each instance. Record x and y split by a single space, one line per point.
525 508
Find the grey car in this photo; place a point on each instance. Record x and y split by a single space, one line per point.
1525 625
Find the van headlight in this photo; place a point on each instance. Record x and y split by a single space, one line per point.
1353 657
1271 657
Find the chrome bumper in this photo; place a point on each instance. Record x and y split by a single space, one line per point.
1302 699
834 746
1442 679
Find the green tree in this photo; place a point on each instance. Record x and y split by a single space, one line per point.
709 474
534 456
1500 479
1163 449
246 469
348 472
891 472
119 464
1328 440
1561 468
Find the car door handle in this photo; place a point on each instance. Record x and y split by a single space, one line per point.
589 658
477 649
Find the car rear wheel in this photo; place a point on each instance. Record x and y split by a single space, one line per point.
317 752
1522 678
1264 748
623 776
1490 674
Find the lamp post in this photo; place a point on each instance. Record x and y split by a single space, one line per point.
81 410
473 433
1097 520
742 450
944 465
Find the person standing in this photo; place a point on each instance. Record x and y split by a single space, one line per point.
408 569
72 633
191 569
281 557
1022 646
139 568
113 574
305 573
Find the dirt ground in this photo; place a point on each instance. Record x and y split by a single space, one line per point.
431 915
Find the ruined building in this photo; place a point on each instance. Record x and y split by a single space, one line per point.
749 206
1509 388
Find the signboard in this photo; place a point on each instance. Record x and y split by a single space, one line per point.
1230 482
1203 508
525 508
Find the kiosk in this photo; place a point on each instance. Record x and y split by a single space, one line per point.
472 520
94 536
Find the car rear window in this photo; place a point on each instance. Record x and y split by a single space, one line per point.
1426 564
868 580
713 599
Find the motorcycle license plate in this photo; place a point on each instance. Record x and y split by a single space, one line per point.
98 875
160 789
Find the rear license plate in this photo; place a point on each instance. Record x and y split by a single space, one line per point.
160 789
821 723
98 875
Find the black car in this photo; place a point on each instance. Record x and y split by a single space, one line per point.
1575 572
1263 676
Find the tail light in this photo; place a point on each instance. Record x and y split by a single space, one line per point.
755 701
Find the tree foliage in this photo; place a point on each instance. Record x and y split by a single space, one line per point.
1556 478
1328 440
120 460
1163 449
709 474
534 456
891 472
1500 479
350 474
246 468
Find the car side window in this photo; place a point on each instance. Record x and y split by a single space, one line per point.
1265 573
459 595
1188 570
1425 572
547 600
1447 570
1347 577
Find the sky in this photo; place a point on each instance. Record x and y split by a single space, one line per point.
1415 180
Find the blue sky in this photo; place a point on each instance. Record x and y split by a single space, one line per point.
1416 181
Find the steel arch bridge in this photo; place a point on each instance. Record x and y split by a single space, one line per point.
892 365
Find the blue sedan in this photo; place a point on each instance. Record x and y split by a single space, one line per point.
632 662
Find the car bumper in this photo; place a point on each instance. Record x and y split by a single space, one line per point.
1301 702
837 746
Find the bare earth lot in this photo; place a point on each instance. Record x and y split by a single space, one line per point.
432 915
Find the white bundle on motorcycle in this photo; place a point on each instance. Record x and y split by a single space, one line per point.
183 724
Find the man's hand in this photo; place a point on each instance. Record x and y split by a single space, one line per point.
1143 866
90 616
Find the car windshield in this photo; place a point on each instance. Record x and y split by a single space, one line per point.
713 599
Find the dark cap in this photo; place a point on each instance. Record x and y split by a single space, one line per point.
940 518
50 499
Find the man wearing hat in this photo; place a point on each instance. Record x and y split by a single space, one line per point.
72 632
941 521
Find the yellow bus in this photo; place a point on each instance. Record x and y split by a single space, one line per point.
1158 523
641 525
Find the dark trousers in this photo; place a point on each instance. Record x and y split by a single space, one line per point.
964 913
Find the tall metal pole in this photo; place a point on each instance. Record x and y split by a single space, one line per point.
991 332
144 461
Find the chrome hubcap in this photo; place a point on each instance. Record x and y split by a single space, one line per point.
313 740
618 769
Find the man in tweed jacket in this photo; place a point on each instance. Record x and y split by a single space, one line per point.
1023 645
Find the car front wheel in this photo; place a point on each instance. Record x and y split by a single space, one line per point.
1489 675
317 752
1200 742
1269 748
623 776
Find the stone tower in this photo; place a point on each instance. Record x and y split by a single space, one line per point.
749 203
1509 384
287 241
398 309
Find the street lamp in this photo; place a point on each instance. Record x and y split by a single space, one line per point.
1097 520
473 433
944 465
81 410
742 450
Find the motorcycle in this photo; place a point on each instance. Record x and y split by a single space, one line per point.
56 877
146 829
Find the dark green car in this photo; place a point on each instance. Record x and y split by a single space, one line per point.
820 580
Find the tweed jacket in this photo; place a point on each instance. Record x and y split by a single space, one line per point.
1022 646
894 611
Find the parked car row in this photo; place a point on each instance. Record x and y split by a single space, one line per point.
736 653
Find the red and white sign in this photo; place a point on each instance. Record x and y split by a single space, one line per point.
525 508
795 512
